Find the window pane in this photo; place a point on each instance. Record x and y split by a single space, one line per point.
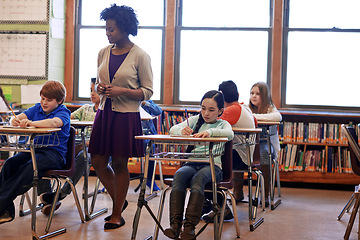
324 14
242 57
149 40
323 69
225 13
91 41
150 13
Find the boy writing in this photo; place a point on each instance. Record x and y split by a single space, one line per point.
16 176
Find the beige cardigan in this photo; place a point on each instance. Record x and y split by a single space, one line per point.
134 73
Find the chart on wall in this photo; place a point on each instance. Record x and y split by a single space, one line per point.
24 55
24 11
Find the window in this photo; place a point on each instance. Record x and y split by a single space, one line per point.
91 38
321 54
218 41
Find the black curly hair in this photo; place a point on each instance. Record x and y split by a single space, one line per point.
124 16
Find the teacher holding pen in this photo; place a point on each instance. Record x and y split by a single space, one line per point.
124 79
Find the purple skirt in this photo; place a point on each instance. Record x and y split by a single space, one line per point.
113 133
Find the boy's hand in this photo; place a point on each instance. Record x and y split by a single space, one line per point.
203 134
15 122
186 131
25 123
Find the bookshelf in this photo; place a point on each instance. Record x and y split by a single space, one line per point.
321 152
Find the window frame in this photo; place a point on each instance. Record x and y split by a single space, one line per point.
79 26
286 31
179 28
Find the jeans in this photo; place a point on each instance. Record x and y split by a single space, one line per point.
16 176
264 152
194 175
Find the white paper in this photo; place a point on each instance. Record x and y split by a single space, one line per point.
57 28
30 94
58 9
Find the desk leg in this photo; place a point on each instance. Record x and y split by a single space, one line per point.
272 173
252 204
88 215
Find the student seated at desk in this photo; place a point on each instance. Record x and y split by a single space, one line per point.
149 129
17 174
264 110
238 115
195 175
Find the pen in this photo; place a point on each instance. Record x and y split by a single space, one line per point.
187 117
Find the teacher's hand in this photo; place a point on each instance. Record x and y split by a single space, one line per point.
113 91
101 88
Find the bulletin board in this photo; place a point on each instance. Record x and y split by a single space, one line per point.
24 11
24 55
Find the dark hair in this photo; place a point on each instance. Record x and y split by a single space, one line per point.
229 89
265 98
54 90
219 99
93 80
124 16
3 97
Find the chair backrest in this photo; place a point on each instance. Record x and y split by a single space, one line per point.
227 162
69 169
350 134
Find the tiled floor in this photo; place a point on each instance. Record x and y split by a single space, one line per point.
303 214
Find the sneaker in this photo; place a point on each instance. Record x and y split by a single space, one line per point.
207 207
47 208
209 217
6 217
48 198
155 187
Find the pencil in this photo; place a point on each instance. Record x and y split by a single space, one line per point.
187 117
12 112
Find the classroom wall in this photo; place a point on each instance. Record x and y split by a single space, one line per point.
56 57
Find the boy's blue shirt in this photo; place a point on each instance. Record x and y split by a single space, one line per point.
36 113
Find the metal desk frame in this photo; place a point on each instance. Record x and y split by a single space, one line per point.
170 142
31 133
274 171
250 135
89 214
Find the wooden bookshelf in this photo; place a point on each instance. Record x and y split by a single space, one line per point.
322 117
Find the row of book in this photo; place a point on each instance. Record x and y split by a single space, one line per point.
313 132
169 119
293 158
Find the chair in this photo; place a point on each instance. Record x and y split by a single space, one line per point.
222 188
350 134
65 174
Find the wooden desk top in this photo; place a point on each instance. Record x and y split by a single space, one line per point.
81 123
181 138
9 129
268 123
246 130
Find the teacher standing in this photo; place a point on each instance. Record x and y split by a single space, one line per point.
124 79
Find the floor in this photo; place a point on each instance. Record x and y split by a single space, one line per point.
303 214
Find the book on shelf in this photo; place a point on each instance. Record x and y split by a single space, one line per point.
313 132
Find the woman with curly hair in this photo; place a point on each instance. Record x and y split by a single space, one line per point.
124 79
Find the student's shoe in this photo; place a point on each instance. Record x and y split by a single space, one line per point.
209 217
6 217
207 207
155 188
267 202
48 198
47 208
